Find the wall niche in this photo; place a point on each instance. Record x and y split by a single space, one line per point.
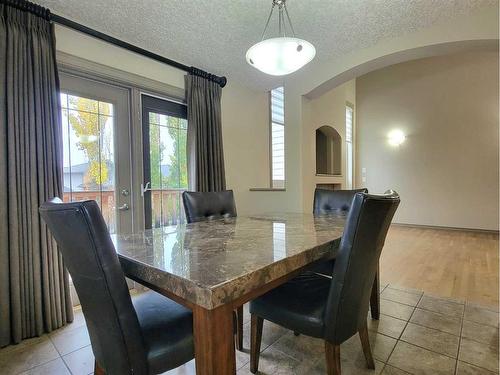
328 151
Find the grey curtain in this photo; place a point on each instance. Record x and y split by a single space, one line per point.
205 154
34 291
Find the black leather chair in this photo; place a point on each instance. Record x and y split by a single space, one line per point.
332 309
326 201
203 206
334 200
148 335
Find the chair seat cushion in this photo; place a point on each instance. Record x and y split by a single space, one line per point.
298 305
167 330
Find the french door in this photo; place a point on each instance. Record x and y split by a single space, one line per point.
164 127
96 148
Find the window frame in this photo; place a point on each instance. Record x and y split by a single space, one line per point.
166 107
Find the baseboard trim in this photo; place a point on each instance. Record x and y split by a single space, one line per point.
490 231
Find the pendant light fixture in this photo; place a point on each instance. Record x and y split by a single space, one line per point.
284 54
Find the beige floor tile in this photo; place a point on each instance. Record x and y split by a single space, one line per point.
400 296
387 325
381 346
390 370
482 316
302 348
480 332
479 354
68 341
270 334
437 321
419 361
273 361
80 362
395 309
55 367
26 355
350 367
442 306
467 369
432 339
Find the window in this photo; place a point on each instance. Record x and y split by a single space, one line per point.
278 138
88 153
349 131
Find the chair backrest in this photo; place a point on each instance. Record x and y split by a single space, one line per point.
334 200
202 206
89 254
356 264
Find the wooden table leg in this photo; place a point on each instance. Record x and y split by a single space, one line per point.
239 328
213 341
375 296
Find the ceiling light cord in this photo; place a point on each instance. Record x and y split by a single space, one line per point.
290 22
267 23
283 11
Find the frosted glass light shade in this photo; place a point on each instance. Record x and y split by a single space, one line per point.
280 56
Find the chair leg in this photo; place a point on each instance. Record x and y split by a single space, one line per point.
256 324
332 353
375 296
239 328
97 369
365 343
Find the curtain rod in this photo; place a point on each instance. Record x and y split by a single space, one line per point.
130 47
45 13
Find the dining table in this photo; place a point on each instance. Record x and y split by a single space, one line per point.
213 267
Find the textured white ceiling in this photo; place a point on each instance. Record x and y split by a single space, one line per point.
215 34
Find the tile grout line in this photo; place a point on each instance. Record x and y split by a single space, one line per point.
399 339
62 356
460 337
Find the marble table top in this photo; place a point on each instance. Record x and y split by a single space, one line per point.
215 262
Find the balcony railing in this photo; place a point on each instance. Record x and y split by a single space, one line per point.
166 205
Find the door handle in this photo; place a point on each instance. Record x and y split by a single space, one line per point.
145 188
124 207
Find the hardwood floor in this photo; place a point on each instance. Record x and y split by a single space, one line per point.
450 263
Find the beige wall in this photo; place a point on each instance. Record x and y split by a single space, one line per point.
447 170
329 110
245 121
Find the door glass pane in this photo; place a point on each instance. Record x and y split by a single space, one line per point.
88 150
168 166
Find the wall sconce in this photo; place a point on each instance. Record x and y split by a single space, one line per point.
396 137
